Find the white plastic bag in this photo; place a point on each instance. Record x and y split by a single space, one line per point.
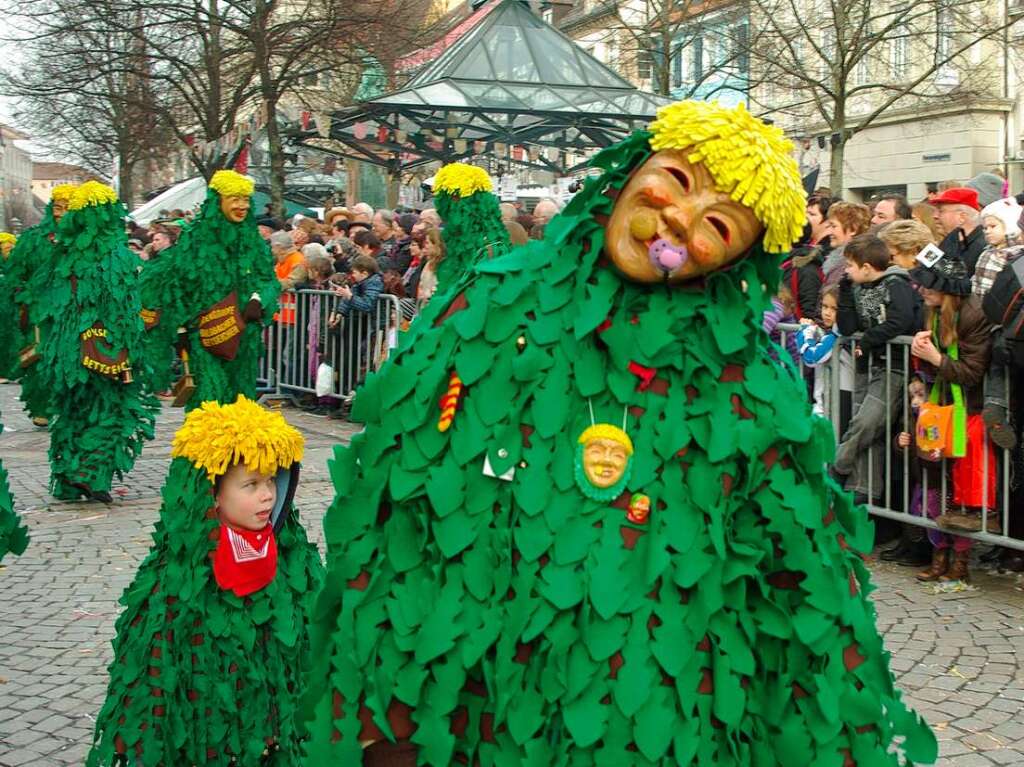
324 379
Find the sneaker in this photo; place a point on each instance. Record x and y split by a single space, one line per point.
1000 431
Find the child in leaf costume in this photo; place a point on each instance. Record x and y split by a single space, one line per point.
212 642
472 221
488 602
29 272
92 350
217 282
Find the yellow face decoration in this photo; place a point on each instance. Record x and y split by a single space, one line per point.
60 207
6 246
235 208
604 462
670 223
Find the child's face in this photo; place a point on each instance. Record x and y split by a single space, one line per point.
670 223
860 273
917 393
245 498
995 231
828 311
359 276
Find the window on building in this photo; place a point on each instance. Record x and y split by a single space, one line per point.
644 61
741 52
548 14
828 51
860 72
945 73
899 56
698 58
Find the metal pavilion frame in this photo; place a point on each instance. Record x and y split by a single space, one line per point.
513 80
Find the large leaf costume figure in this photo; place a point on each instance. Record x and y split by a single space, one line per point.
218 283
27 274
92 352
201 675
486 600
472 220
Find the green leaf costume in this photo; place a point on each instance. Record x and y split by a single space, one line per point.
13 534
10 331
28 273
99 422
472 221
507 618
201 676
213 258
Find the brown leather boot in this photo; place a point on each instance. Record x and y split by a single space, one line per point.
958 569
939 566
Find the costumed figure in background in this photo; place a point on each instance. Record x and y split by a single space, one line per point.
93 349
213 641
211 295
472 221
29 273
622 548
10 331
13 534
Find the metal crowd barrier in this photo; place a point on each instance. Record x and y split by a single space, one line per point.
311 331
360 343
893 498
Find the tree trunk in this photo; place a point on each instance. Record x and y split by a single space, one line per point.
835 167
125 181
394 188
276 152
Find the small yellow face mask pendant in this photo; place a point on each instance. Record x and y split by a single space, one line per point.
604 456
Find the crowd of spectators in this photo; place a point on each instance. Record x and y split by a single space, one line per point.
888 298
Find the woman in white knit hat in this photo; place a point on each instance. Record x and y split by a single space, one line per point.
1001 222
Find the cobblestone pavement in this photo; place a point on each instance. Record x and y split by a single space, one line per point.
958 657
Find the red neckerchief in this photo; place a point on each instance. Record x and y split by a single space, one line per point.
245 561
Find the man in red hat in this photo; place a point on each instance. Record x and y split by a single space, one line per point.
957 214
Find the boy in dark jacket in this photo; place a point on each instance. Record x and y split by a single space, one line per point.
877 299
354 317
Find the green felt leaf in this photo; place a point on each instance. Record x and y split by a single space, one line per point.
455 532
654 724
585 717
445 486
474 359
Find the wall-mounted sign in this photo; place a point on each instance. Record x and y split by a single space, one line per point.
940 157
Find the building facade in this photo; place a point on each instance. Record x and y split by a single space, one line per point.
965 117
16 208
